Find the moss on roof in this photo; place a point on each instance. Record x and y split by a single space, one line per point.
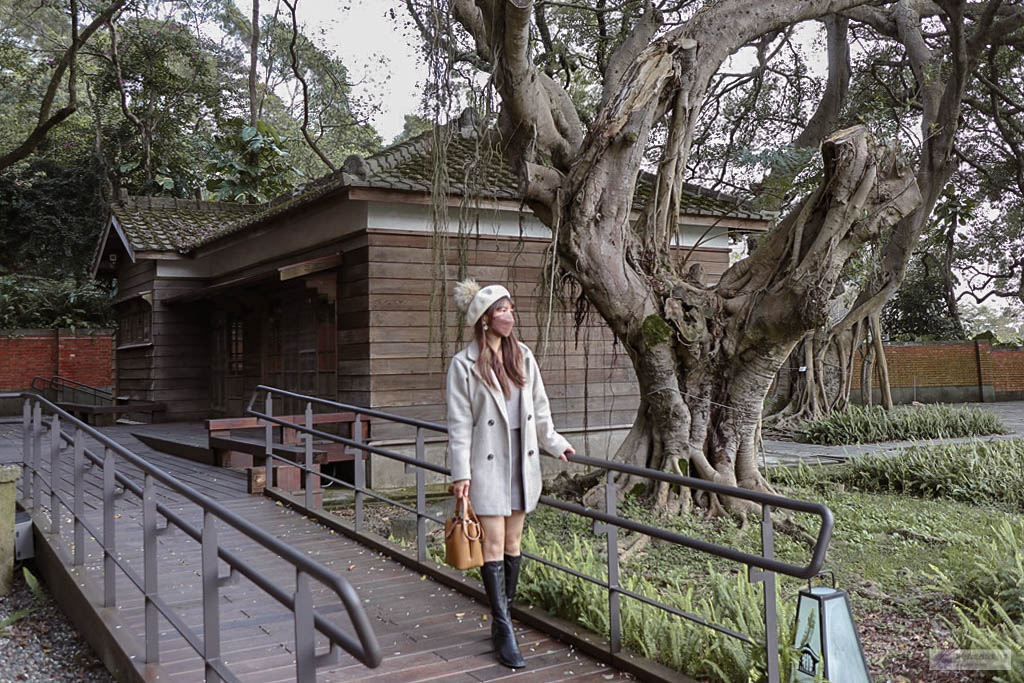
471 166
161 224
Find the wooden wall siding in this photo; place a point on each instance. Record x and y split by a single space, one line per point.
352 314
134 367
590 383
134 278
181 351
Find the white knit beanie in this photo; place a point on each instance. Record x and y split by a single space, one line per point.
474 301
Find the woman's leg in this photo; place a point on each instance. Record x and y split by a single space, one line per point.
493 574
513 532
513 553
494 536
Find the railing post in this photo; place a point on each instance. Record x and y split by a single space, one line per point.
268 408
307 471
358 470
37 448
79 505
771 615
614 613
149 568
305 644
421 500
26 447
55 445
211 597
109 542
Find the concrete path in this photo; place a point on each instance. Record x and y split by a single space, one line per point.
791 452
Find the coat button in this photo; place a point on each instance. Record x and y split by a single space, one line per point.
530 453
490 456
529 417
490 423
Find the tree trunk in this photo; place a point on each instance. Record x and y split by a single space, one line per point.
254 47
883 365
706 357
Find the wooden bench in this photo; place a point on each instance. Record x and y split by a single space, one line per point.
86 412
241 442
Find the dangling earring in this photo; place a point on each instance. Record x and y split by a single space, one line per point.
485 327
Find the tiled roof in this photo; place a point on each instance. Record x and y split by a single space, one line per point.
164 224
406 166
472 168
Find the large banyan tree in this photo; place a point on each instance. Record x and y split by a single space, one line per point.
706 355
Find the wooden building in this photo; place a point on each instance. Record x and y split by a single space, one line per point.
340 288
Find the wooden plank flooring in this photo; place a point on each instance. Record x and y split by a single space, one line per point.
426 631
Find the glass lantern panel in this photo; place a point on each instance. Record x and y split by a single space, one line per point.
808 641
845 659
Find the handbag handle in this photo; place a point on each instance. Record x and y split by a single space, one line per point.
463 514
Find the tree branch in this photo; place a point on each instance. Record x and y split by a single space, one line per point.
305 89
624 56
46 121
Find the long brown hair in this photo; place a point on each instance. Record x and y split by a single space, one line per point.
510 368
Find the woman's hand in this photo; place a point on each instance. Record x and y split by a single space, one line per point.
460 489
568 451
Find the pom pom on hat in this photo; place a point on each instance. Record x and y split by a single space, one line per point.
464 293
473 301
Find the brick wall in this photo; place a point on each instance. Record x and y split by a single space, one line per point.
950 371
85 356
1008 370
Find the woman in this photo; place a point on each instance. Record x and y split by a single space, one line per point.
498 420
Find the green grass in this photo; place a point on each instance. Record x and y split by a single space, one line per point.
858 424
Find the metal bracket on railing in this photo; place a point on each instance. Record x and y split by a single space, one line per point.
230 580
756 574
165 529
329 658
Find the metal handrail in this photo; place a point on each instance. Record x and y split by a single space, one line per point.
57 383
363 646
761 568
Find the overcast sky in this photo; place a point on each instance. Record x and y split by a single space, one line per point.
363 34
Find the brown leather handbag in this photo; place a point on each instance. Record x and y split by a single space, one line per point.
463 537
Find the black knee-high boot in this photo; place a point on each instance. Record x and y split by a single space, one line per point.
502 632
512 575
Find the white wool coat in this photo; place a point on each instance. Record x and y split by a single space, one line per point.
479 442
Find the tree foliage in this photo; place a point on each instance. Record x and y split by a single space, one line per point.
249 163
51 213
28 302
153 93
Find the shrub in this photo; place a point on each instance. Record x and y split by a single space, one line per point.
989 472
995 577
988 627
859 424
990 598
694 650
978 472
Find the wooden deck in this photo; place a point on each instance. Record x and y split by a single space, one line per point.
426 631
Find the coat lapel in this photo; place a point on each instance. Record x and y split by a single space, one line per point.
473 353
